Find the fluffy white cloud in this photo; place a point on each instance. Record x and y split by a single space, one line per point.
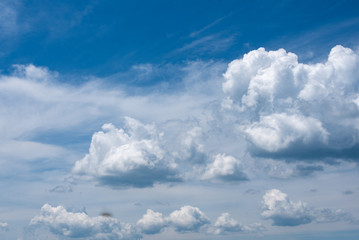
79 225
284 212
188 219
133 157
4 226
283 103
152 222
225 224
226 168
191 219
278 131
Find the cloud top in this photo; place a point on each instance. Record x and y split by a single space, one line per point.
292 109
127 157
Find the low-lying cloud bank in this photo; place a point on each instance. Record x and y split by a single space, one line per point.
187 219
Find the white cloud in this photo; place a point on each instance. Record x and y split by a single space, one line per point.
188 219
225 168
226 224
284 212
281 103
4 226
278 131
79 225
131 157
152 222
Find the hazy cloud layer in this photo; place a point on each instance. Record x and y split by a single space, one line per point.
284 212
295 110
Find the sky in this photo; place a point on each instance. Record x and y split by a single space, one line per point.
179 120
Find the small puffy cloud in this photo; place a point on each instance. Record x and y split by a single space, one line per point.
295 110
127 157
4 226
188 219
284 212
225 168
79 225
226 224
152 222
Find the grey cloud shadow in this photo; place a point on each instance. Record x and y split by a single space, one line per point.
141 177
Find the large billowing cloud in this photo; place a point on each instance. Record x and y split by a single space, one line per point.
79 225
290 109
127 157
284 212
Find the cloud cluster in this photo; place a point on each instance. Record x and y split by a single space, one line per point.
286 106
127 157
187 219
79 225
284 212
192 219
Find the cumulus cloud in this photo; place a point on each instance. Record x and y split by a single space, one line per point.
79 225
127 157
278 131
188 219
284 212
286 106
226 224
225 168
192 219
152 222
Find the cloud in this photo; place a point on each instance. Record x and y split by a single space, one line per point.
225 224
284 212
188 219
127 157
79 225
61 189
225 168
4 226
294 110
8 17
278 131
152 222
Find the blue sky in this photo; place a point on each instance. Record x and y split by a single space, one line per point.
182 119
